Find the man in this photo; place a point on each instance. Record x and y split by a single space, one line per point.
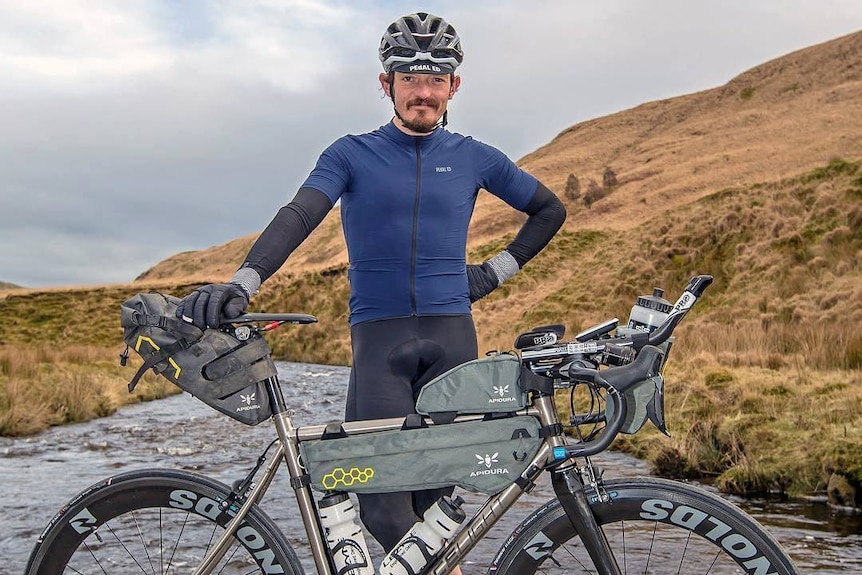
407 193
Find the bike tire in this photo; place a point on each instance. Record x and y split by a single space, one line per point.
156 521
654 527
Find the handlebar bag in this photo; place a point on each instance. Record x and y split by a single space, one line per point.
480 456
644 400
484 385
213 365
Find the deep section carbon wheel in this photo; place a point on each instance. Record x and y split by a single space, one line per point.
156 522
654 527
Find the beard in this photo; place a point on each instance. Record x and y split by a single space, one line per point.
425 122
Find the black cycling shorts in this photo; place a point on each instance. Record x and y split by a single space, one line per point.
392 360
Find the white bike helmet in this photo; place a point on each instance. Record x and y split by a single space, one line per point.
420 43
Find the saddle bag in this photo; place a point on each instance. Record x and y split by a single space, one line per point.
213 365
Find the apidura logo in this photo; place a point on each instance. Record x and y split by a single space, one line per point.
501 390
487 461
249 401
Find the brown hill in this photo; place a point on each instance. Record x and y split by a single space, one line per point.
782 118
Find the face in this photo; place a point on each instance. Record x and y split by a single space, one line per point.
420 99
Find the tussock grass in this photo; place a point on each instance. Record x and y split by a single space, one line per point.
42 386
754 429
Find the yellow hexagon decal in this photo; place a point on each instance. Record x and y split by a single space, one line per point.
346 478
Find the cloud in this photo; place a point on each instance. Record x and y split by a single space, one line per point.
135 130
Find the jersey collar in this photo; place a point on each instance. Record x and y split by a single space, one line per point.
392 131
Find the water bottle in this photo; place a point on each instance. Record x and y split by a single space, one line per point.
425 538
343 536
647 314
649 311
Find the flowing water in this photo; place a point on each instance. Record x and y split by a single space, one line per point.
40 473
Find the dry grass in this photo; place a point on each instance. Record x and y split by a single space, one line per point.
42 385
757 430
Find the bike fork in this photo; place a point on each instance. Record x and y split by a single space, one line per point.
570 491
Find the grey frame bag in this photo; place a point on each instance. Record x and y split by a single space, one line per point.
214 366
480 456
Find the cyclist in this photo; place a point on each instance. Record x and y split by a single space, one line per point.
407 194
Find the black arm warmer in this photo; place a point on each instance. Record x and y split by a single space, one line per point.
546 215
290 226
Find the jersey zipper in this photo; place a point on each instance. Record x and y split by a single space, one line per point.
413 310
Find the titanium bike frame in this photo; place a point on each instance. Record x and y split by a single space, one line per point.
569 488
567 479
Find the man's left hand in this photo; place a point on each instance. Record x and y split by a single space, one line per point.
482 281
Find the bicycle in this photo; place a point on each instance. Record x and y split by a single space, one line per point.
172 521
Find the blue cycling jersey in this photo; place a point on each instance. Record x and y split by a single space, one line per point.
406 203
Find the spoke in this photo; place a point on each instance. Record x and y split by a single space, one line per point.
177 543
254 569
651 544
161 547
684 549
209 545
227 561
235 550
714 560
143 543
93 555
572 555
625 556
125 548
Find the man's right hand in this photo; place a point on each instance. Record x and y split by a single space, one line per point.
207 305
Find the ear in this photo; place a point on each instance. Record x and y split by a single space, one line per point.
456 83
384 83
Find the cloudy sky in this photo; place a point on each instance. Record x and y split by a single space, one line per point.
133 130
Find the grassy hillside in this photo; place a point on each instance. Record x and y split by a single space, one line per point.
757 182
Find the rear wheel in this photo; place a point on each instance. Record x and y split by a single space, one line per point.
156 522
654 527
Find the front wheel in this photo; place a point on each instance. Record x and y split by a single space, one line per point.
654 527
156 522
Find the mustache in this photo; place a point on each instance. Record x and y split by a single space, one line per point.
423 102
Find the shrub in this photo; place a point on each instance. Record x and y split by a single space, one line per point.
573 188
594 194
